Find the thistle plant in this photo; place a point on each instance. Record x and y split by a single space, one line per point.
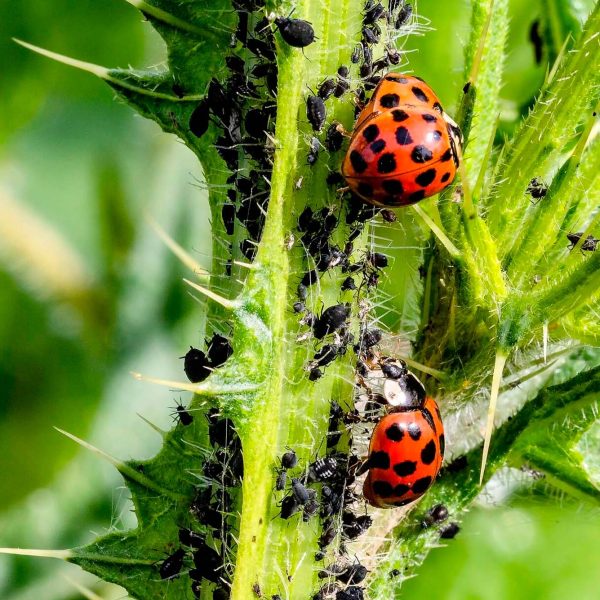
502 308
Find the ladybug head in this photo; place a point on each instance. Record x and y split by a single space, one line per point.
401 388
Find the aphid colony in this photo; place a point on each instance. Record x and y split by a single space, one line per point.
403 148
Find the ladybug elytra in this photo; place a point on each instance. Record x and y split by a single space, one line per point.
405 456
404 146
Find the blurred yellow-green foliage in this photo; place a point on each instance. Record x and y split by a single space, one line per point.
88 293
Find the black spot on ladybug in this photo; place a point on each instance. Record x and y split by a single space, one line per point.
407 467
428 453
382 488
295 32
370 133
358 162
386 163
437 106
420 485
445 177
379 460
426 177
389 100
421 154
403 136
377 146
414 431
399 115
419 94
416 196
401 489
394 433
364 189
429 118
392 186
447 155
442 441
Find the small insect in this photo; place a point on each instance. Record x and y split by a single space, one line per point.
352 592
356 54
219 350
323 469
289 507
190 538
373 12
295 32
172 565
353 574
313 155
299 307
354 526
404 147
326 89
208 564
389 216
199 119
310 278
326 355
537 189
316 112
436 514
369 338
196 365
184 416
589 244
333 138
310 509
228 216
331 320
449 531
348 284
315 374
343 83
301 492
405 453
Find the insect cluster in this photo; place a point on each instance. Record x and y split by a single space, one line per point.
403 148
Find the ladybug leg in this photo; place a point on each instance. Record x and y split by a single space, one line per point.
342 190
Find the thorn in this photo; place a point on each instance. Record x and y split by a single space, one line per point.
200 390
123 468
165 17
156 428
210 294
60 554
111 459
82 589
496 379
245 265
177 250
105 74
441 235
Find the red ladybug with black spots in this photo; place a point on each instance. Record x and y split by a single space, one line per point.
404 147
407 445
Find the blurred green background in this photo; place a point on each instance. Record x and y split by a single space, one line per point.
88 293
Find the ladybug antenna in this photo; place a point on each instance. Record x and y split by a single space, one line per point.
496 380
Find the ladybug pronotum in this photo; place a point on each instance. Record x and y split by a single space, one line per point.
404 147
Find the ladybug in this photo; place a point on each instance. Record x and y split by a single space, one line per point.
404 147
407 444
